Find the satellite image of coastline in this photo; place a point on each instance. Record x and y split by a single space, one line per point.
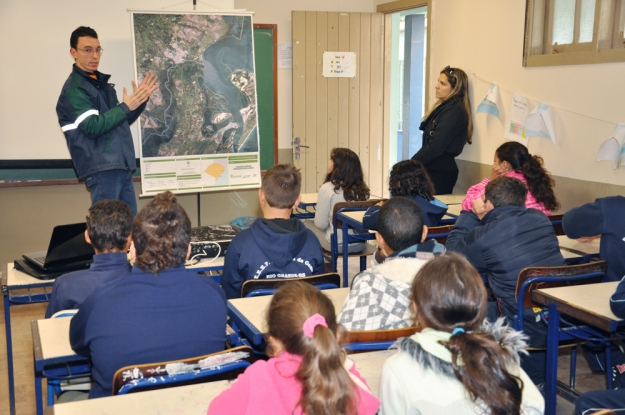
206 100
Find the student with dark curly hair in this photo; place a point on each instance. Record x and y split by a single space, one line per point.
160 311
513 160
458 363
410 179
344 183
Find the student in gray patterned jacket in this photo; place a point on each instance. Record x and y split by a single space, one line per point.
380 297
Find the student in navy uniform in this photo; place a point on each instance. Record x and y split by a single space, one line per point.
160 312
275 246
410 179
601 218
108 230
500 237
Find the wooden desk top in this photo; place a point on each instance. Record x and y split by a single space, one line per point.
51 336
309 198
18 279
181 400
194 399
453 199
589 303
454 209
255 308
582 248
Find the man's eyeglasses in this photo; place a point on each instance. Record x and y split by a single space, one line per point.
89 51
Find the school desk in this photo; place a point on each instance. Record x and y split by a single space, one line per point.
248 314
16 290
588 303
587 249
51 348
195 399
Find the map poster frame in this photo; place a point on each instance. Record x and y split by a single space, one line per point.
199 130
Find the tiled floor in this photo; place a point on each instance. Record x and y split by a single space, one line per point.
23 363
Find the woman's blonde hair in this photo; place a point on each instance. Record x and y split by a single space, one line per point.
460 92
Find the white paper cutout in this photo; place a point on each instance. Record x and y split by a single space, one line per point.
515 127
539 123
489 103
612 149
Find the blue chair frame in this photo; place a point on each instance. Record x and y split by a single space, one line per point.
370 340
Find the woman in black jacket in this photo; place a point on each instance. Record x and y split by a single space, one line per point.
446 128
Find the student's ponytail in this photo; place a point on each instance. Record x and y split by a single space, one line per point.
303 320
449 296
326 385
479 362
539 182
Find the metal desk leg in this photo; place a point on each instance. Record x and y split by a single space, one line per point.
345 255
9 341
38 392
553 334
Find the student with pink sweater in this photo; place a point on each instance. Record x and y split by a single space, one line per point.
308 373
513 160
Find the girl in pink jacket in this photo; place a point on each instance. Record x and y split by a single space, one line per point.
513 160
309 373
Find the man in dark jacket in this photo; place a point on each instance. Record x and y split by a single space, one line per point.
96 125
275 246
500 237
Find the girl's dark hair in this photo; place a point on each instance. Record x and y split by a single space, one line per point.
161 233
409 178
448 293
347 174
326 386
539 182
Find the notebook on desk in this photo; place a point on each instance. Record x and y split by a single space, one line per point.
67 251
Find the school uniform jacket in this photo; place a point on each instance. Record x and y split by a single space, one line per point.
276 248
506 240
432 214
602 217
146 318
71 290
95 124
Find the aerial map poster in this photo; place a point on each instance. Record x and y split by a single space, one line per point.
199 131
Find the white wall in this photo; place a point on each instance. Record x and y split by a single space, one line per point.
486 38
34 45
279 12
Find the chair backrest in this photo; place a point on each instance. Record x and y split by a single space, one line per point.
350 206
556 221
440 233
64 313
226 364
367 340
532 278
255 288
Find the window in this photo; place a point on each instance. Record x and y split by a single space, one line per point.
570 32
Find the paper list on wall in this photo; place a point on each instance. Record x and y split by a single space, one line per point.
339 64
539 123
613 149
515 126
490 101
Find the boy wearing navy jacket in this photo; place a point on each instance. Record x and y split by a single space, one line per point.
108 230
276 245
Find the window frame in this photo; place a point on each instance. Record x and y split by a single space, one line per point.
607 45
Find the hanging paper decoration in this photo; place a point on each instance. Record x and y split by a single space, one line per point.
539 123
489 103
612 149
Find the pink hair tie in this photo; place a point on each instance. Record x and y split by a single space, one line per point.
312 322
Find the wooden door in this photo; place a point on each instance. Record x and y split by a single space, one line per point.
338 112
